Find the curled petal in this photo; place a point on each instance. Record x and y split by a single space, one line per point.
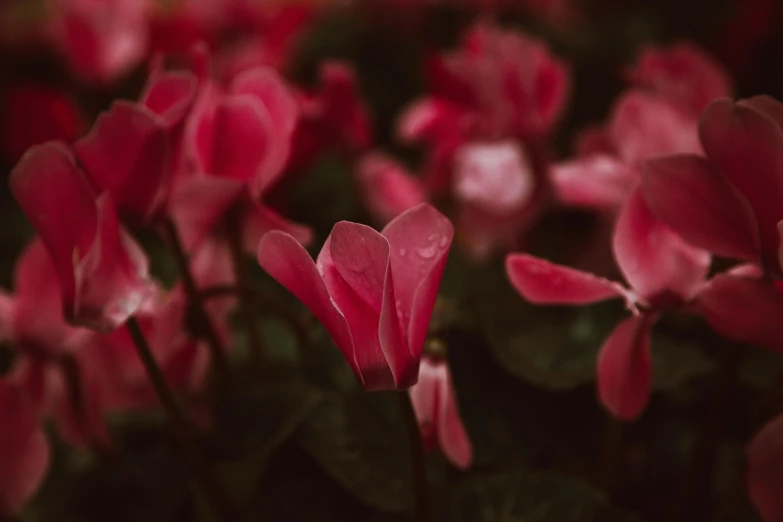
689 195
127 154
624 368
747 147
746 310
24 450
261 219
170 95
765 471
419 239
597 181
542 282
291 266
656 261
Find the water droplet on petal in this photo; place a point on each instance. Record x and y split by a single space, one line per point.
426 252
443 241
403 251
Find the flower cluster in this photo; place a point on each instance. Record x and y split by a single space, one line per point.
198 168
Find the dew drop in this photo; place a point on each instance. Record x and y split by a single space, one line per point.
443 241
403 251
426 252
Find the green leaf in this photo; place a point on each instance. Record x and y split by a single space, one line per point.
528 497
359 441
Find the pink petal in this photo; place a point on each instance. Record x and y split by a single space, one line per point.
59 203
597 181
24 450
423 396
343 107
624 369
542 282
765 471
261 219
644 125
266 86
112 278
37 323
170 95
688 194
127 154
452 436
419 241
746 310
780 231
655 261
360 256
230 136
766 105
198 204
427 119
747 148
387 188
495 177
291 266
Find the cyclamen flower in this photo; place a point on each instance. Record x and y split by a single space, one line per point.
732 202
435 404
24 450
103 273
663 272
101 39
373 292
387 188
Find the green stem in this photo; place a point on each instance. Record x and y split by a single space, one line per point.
255 339
207 328
208 483
418 460
695 495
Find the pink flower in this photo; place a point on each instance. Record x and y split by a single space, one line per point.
662 271
496 192
34 114
373 292
435 404
642 126
243 132
103 273
102 40
729 203
765 471
24 450
682 74
387 188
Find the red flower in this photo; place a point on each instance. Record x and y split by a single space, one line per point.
662 271
34 114
682 74
101 39
102 271
732 202
387 188
373 292
435 404
24 450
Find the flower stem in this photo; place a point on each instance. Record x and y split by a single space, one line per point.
255 339
208 483
695 494
196 302
612 454
418 462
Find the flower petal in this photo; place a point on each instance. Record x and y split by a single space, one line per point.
126 153
655 261
387 188
419 239
24 450
452 437
597 181
765 471
688 194
542 282
624 369
170 95
289 264
747 148
261 219
746 310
